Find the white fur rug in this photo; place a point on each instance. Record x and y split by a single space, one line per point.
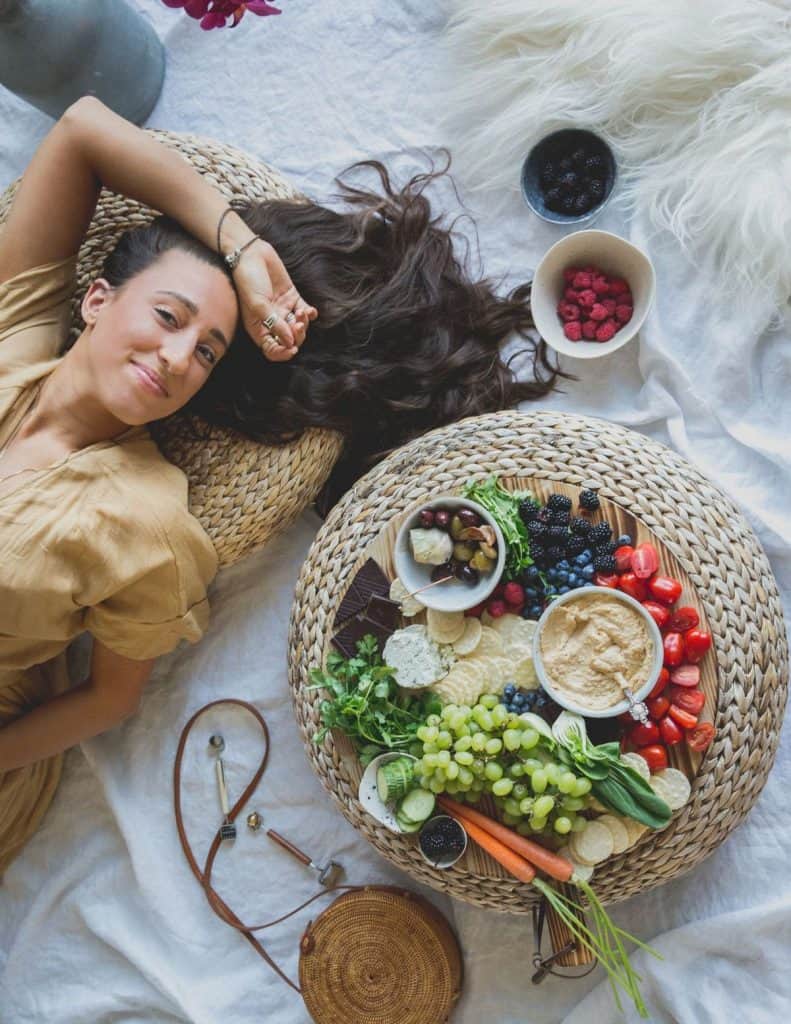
693 95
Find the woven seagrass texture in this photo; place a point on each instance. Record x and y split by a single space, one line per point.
380 955
697 523
241 492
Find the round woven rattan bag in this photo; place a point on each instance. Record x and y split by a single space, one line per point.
380 955
695 522
241 492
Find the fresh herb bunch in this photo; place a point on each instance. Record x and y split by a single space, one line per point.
503 506
366 703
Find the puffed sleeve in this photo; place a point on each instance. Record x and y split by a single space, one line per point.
35 312
161 572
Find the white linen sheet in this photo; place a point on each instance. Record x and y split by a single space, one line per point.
100 919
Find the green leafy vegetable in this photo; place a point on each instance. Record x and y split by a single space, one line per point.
366 703
503 506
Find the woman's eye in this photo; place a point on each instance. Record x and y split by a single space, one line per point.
208 353
167 316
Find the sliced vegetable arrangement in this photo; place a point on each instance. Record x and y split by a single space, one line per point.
458 694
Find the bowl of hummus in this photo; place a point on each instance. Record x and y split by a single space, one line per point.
591 645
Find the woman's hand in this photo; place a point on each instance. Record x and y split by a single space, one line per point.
265 290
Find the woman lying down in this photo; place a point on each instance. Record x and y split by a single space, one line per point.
268 319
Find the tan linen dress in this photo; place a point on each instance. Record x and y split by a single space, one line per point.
101 540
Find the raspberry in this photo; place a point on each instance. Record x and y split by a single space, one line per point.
573 330
568 311
598 312
609 305
569 274
623 314
618 285
582 280
496 609
605 331
601 285
586 298
589 329
571 295
514 594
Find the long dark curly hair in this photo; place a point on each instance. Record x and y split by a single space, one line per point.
406 339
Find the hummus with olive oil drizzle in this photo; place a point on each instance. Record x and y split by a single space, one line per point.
595 646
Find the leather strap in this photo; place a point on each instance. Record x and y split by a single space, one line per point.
216 902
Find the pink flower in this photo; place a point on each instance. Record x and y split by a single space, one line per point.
216 13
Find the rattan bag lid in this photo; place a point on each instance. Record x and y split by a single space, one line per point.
380 955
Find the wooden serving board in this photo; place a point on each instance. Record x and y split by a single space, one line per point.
475 861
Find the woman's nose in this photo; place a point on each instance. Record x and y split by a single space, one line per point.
176 351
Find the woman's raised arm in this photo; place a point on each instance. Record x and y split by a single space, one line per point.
91 147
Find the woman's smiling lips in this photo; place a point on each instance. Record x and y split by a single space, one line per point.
151 380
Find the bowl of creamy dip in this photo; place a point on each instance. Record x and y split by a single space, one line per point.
591 644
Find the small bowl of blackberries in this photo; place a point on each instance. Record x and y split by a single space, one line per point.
568 177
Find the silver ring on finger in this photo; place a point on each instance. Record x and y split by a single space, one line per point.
290 316
270 341
270 321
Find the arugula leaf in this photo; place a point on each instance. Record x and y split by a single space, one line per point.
503 506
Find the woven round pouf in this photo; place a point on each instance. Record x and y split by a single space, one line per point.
723 562
380 956
241 492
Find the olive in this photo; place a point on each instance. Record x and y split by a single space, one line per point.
463 552
440 572
468 517
426 518
469 575
456 527
441 518
489 550
480 562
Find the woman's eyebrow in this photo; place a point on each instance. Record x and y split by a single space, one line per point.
214 331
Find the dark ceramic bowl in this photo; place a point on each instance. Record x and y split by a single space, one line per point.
553 148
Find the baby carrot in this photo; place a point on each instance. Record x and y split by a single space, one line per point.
512 862
539 856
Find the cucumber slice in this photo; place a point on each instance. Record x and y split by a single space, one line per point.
408 826
416 806
393 779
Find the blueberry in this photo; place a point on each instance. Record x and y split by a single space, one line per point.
573 579
540 701
532 572
535 611
624 539
530 698
580 560
587 572
509 690
519 699
563 564
563 576
564 589
588 554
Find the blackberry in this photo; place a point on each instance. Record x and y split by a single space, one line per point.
578 157
596 189
575 544
582 203
605 548
594 165
559 503
559 518
604 563
558 532
568 182
589 500
554 553
566 164
567 204
549 173
600 533
537 529
537 551
553 198
545 515
579 526
528 510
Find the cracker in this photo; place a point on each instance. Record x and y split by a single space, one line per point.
409 605
490 644
445 627
620 837
462 685
495 671
639 764
672 786
634 829
582 871
470 638
522 673
593 845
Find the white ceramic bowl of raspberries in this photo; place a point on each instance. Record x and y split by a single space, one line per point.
591 294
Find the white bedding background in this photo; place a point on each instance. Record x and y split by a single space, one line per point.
100 919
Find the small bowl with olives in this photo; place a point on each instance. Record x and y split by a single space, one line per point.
454 540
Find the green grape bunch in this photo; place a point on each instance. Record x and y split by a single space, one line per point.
470 751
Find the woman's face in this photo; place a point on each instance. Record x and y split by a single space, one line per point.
153 342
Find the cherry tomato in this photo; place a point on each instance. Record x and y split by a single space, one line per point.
626 743
660 684
626 719
604 579
656 756
689 700
698 738
645 561
665 589
670 732
696 642
658 612
685 675
623 557
684 618
673 644
684 718
657 707
644 734
631 585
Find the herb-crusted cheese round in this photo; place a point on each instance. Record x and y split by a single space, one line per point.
414 657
